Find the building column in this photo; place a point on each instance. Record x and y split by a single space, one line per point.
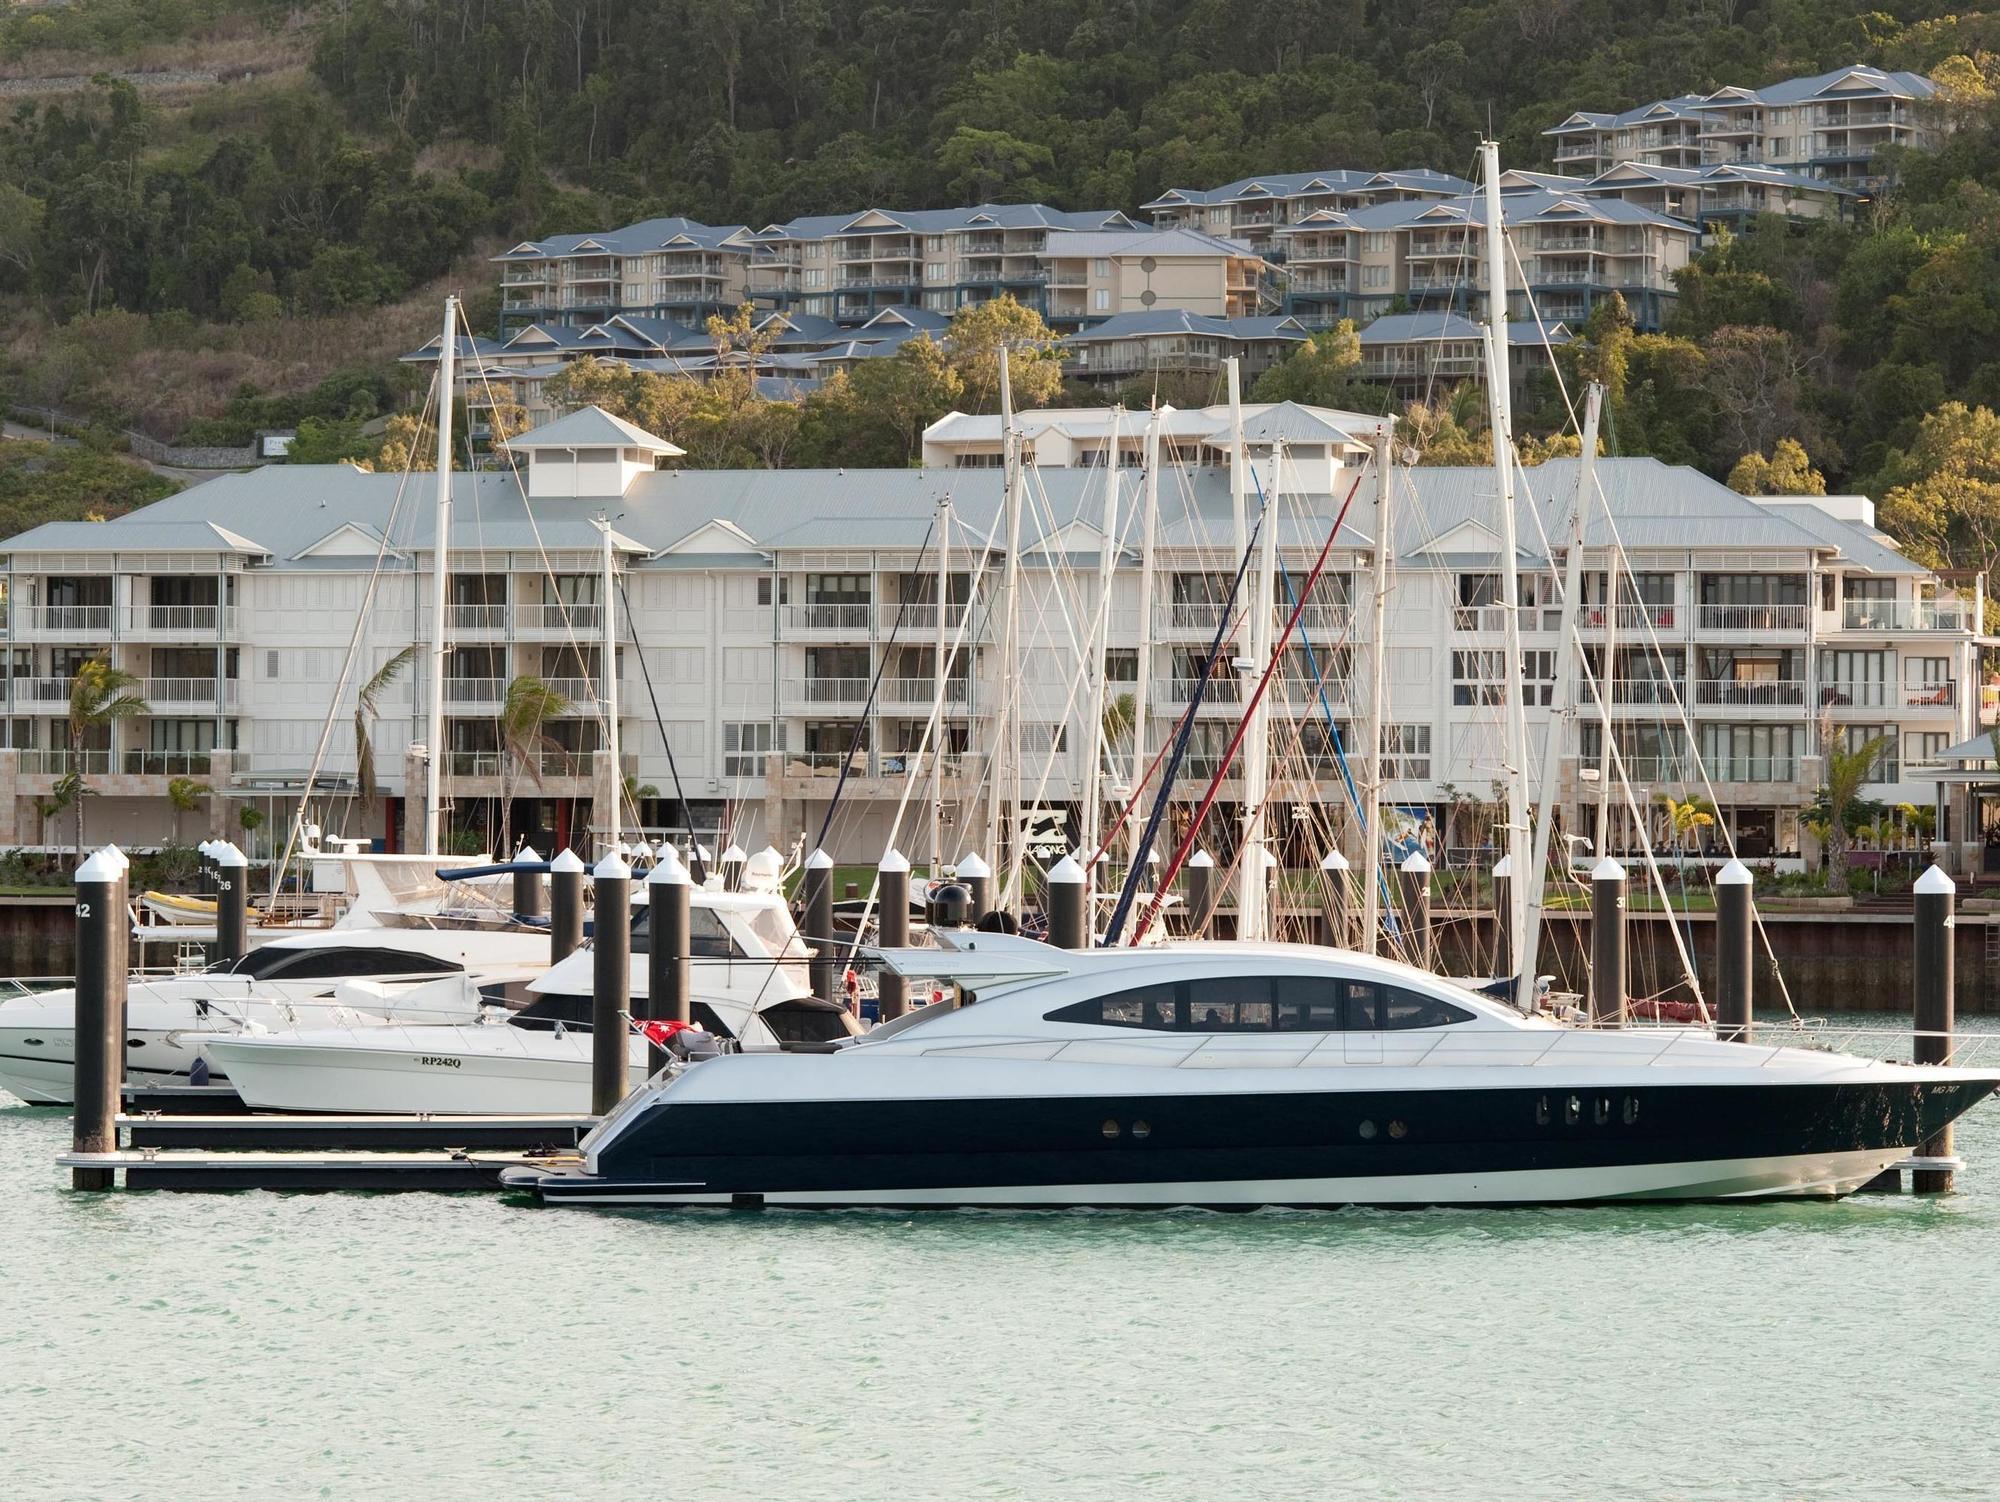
413 802
10 798
221 765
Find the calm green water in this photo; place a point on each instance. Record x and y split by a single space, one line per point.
435 1346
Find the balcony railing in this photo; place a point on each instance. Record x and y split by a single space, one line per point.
1190 615
1751 693
559 617
55 762
844 618
209 693
1780 618
1874 694
476 617
924 691
1688 771
1648 691
1494 618
826 690
164 763
42 690
1630 617
1224 687
919 616
68 620
472 763
1905 615
181 620
475 690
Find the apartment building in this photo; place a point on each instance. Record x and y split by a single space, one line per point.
1665 133
1175 342
787 626
1569 251
1253 210
1730 193
848 267
1829 126
1423 355
664 268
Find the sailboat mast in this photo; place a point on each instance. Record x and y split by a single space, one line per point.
1569 666
1501 418
609 652
1100 639
1010 648
1378 655
1142 685
940 669
1253 875
440 580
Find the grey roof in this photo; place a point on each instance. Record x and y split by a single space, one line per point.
1861 546
916 318
590 427
633 239
1289 422
941 221
1536 207
140 532
1411 328
1277 185
1681 107
291 507
1871 83
466 347
1157 323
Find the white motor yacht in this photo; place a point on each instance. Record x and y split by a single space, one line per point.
750 990
1240 1075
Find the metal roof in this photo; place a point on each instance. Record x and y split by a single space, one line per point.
590 427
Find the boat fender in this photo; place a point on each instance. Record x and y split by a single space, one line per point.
198 1071
999 921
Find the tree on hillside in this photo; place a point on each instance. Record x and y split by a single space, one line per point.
1324 371
1034 360
1787 472
1943 498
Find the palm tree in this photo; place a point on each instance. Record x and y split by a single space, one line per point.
99 695
364 720
524 715
1686 818
184 796
1847 768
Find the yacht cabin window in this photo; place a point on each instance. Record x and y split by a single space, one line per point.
1265 1003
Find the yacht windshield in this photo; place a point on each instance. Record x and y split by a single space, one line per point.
1265 1003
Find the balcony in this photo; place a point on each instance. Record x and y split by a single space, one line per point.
51 691
560 620
68 622
1224 688
830 620
1199 616
1687 771
920 617
488 691
163 763
1493 618
822 691
472 764
180 622
922 692
1766 619
1751 693
1650 692
1842 694
1636 618
204 694
476 620
1905 615
55 762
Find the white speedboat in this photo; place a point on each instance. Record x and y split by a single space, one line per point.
421 975
750 991
1240 1075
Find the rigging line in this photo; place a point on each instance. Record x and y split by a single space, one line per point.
361 617
1225 620
874 687
646 673
1249 710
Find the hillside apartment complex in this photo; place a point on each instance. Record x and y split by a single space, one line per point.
763 607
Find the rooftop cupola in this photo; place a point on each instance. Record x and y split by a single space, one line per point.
588 454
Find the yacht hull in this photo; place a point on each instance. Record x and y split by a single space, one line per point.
1314 1148
472 1070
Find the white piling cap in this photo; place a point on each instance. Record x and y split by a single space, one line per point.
1066 871
704 852
643 851
226 854
204 847
528 853
1269 861
124 861
1935 881
1503 868
894 863
1201 858
1333 860
98 869
819 860
1417 863
1735 874
1607 870
734 853
566 864
972 868
612 868
668 868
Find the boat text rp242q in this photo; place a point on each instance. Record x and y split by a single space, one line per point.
1239 1075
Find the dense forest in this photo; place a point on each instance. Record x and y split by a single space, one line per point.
246 228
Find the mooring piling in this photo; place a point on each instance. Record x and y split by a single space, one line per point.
1336 904
1607 944
1933 975
528 885
1069 911
1734 891
1503 931
1413 877
978 879
1201 893
102 938
816 904
892 878
565 905
610 981
232 903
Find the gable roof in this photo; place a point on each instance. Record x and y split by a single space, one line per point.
590 427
